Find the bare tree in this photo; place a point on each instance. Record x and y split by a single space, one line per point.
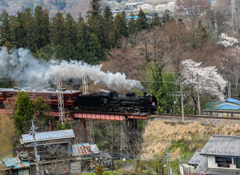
192 9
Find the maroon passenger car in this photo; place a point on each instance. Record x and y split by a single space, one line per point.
50 95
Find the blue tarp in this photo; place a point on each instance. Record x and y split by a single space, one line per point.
231 100
15 162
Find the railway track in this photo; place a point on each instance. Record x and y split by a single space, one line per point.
196 116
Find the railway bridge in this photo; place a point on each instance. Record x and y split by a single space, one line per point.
129 121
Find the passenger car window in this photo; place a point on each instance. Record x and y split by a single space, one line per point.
70 98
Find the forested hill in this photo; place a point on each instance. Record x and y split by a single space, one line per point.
64 6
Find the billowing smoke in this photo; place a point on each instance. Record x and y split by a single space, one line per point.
29 71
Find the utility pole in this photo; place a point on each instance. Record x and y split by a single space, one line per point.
229 90
60 102
168 159
234 18
182 99
33 132
199 109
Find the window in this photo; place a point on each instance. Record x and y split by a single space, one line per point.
237 162
49 97
31 96
37 95
223 161
9 95
70 98
74 97
54 97
0 93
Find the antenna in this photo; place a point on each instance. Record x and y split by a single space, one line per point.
60 103
234 18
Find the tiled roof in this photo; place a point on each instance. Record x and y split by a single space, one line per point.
222 145
221 171
196 158
50 135
15 162
203 165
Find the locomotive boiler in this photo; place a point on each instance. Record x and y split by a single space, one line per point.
112 101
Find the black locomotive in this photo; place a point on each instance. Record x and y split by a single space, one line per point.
112 101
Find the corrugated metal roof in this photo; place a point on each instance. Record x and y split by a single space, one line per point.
221 171
15 162
196 158
50 135
227 106
94 148
222 145
81 149
233 101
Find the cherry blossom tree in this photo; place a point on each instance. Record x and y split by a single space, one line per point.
207 78
146 7
171 6
227 41
230 59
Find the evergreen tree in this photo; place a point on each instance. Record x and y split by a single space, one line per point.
58 31
107 13
41 19
201 35
6 31
19 32
155 21
95 49
42 109
131 24
31 38
71 35
82 41
80 18
166 16
141 22
24 110
27 17
94 9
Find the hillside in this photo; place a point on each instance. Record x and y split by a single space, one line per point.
64 6
183 139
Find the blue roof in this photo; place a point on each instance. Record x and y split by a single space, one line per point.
15 162
129 17
227 107
231 100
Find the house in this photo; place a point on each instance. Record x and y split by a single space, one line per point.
220 156
53 149
228 108
131 6
16 166
57 153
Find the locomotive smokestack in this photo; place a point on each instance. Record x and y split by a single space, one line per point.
145 93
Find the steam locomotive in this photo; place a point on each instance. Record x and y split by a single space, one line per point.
102 101
112 101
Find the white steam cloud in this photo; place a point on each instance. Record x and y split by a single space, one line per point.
29 71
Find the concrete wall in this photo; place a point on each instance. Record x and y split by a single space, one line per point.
211 162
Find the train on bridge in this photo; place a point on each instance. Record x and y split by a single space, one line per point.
105 101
